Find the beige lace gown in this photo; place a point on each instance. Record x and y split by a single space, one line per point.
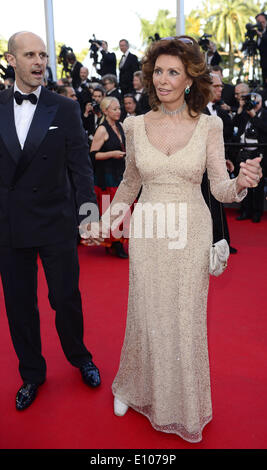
164 365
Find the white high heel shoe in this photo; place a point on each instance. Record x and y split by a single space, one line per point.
120 408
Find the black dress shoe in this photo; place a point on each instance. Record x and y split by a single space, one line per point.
119 250
233 250
90 374
256 218
243 216
26 396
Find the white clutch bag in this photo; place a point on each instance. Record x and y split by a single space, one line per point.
219 251
219 254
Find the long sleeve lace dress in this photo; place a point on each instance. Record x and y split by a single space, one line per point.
164 366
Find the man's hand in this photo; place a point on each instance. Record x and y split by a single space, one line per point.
226 107
251 112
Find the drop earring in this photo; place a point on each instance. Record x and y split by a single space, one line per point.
187 90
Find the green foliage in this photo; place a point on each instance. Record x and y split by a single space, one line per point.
3 45
164 25
225 20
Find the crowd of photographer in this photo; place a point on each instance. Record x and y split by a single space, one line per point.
244 116
242 109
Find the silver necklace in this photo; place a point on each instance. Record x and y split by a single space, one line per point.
175 112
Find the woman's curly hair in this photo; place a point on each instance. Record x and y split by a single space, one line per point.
195 66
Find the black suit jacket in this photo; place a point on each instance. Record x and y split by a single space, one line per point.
227 123
116 93
38 183
75 75
263 50
130 66
108 63
228 95
143 105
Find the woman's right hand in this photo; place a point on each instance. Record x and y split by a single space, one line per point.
118 154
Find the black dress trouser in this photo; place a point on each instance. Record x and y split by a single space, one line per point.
18 268
219 221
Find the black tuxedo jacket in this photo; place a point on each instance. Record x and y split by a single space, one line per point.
143 105
227 123
43 185
75 75
130 66
219 221
228 95
108 63
116 94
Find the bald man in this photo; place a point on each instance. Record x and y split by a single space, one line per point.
44 155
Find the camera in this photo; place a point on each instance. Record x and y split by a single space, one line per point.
96 107
94 48
251 101
251 29
154 38
63 57
204 41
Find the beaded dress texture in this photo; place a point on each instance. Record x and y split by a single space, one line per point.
164 365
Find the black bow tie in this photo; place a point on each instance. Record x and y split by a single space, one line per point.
214 106
19 97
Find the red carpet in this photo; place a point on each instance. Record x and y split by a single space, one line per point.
69 415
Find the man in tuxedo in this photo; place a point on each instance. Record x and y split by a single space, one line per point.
43 163
228 92
110 83
220 226
140 93
128 65
82 92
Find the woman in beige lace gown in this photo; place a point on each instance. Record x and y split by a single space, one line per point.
164 366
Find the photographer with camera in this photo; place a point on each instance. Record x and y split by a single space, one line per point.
108 62
8 71
251 123
75 67
261 31
212 55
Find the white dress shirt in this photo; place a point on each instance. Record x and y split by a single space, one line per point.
210 108
138 94
23 114
123 58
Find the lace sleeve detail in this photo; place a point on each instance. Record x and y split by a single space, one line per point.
222 187
131 182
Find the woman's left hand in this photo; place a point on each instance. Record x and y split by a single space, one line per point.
250 173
